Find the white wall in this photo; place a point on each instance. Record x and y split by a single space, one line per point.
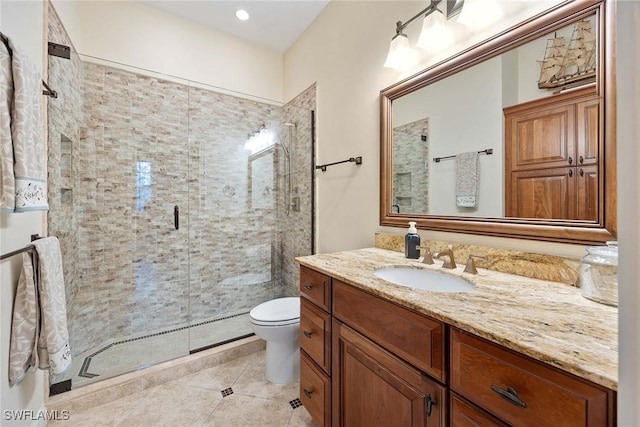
343 51
628 129
23 22
141 36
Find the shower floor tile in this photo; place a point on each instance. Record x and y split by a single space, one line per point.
130 355
196 400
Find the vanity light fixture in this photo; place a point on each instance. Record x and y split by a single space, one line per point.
433 37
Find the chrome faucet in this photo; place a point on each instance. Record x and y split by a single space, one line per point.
450 261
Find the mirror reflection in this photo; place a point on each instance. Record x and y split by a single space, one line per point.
517 135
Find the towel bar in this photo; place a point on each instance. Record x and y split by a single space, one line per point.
19 251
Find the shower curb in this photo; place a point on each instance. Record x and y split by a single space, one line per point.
108 390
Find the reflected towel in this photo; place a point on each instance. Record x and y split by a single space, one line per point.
27 141
467 179
40 314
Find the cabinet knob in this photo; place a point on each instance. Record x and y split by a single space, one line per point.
581 159
581 172
308 393
510 394
570 159
570 172
308 287
307 334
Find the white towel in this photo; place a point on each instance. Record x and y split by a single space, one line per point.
27 140
40 314
7 176
467 179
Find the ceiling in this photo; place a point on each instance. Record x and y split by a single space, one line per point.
273 24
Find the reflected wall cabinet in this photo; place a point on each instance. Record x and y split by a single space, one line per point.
552 156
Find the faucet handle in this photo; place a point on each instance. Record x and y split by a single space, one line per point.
471 266
428 258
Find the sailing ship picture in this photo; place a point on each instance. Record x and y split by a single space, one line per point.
572 64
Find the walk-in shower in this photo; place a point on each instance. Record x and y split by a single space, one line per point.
171 228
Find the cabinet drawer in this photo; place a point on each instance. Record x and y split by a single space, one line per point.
315 334
316 287
413 337
315 388
522 391
465 414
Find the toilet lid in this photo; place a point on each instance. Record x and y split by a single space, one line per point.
277 310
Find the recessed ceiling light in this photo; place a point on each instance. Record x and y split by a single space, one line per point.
242 14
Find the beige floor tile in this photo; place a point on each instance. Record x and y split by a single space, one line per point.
252 382
218 377
301 418
107 414
244 411
172 405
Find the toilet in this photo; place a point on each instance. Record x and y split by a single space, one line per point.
278 323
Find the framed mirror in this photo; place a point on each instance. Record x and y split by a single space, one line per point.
513 137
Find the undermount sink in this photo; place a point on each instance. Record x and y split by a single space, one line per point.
425 280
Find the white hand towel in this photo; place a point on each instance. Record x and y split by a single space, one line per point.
7 175
39 335
27 140
53 343
467 179
23 353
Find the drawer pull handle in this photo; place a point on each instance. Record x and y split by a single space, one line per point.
308 393
307 334
509 394
308 287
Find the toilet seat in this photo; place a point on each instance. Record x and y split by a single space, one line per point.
277 312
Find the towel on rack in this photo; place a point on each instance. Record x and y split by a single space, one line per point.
24 185
7 177
467 179
40 314
23 351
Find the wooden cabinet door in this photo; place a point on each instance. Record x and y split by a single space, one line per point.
587 199
541 138
545 193
588 132
371 387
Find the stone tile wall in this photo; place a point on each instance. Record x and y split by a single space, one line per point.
411 163
135 147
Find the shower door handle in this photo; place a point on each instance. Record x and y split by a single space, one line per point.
176 217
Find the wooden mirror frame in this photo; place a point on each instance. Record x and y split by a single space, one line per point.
583 232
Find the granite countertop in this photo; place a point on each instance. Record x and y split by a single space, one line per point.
547 321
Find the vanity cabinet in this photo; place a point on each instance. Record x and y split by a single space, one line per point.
551 157
372 387
388 363
522 391
315 344
366 361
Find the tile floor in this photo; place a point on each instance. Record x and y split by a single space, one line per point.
127 356
197 400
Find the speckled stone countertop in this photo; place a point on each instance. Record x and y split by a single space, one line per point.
547 321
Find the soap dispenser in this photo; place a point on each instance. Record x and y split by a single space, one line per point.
411 242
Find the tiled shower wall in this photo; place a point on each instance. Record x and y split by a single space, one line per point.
295 229
134 148
411 163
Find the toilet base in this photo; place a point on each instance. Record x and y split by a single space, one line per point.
283 362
